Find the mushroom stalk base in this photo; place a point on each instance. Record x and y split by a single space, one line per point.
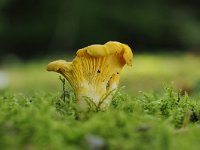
89 98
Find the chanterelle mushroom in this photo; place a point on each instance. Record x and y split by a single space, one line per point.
95 72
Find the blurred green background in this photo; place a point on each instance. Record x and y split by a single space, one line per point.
165 38
164 35
38 26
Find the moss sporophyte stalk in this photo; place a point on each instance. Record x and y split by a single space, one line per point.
95 72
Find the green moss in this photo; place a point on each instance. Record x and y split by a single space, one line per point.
148 121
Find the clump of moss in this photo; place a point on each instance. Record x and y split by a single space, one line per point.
171 105
146 121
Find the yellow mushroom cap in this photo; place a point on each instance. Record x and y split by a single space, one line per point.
107 49
95 71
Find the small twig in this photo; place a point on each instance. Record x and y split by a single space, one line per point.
63 87
186 119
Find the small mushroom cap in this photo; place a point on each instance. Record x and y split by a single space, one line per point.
108 48
59 66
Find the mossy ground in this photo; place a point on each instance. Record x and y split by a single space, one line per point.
149 121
